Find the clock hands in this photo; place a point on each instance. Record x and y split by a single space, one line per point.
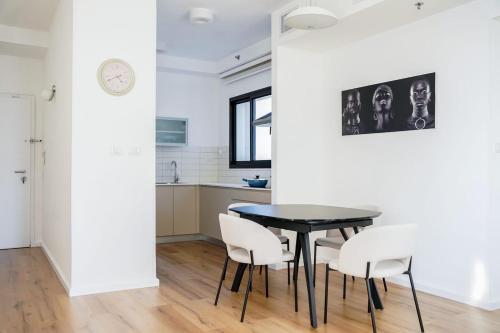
116 77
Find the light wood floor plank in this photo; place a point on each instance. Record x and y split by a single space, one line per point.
33 300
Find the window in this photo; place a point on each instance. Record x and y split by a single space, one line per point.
249 145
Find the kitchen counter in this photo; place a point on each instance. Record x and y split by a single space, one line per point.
224 185
238 186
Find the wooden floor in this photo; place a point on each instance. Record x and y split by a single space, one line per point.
33 300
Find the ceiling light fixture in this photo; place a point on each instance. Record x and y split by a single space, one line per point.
310 18
201 16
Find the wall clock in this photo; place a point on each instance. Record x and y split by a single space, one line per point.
116 77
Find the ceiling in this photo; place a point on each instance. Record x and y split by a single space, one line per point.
237 24
373 17
30 14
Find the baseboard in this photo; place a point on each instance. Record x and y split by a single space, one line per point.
36 244
105 288
485 305
180 238
493 305
55 267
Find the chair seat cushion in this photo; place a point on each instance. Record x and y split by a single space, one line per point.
333 242
382 269
241 255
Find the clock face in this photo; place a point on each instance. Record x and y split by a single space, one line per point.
116 77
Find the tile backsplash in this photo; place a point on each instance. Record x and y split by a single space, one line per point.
201 165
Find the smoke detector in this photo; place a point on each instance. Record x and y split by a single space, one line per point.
201 16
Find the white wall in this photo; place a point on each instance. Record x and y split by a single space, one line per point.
194 96
57 144
494 153
113 196
435 178
25 76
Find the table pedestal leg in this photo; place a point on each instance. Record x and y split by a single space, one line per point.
296 272
377 302
238 276
304 242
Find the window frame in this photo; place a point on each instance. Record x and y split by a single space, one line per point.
248 97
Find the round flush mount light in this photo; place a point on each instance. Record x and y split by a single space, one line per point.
310 18
201 16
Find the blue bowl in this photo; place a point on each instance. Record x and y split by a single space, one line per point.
261 183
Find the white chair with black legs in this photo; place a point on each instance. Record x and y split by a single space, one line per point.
335 239
250 243
375 253
277 232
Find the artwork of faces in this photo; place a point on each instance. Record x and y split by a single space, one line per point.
401 105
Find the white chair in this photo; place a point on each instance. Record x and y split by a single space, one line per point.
335 239
277 232
377 252
250 243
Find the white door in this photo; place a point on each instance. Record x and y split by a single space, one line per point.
15 161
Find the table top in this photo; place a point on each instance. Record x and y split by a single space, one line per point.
306 214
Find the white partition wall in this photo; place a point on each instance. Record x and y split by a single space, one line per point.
99 221
442 179
113 174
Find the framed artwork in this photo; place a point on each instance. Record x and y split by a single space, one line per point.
400 105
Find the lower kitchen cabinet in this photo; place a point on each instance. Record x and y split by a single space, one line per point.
164 210
215 200
176 210
185 210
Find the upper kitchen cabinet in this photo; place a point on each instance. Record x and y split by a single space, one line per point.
171 131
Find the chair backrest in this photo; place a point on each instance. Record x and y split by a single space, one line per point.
373 245
275 231
376 221
250 236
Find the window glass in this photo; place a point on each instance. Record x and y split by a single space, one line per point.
243 131
263 106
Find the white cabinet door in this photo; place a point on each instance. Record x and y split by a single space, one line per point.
15 131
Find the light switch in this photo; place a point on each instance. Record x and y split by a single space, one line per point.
134 151
116 151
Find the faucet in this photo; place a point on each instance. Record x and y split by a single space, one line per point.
176 175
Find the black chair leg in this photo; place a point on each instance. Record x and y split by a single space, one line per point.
325 316
345 280
247 292
288 267
314 271
260 271
267 281
221 279
353 279
295 293
416 303
370 306
250 269
288 263
385 284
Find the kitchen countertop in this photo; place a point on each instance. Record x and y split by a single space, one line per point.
225 185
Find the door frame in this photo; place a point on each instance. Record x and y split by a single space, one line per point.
31 172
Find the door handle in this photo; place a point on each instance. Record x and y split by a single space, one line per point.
23 179
20 171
